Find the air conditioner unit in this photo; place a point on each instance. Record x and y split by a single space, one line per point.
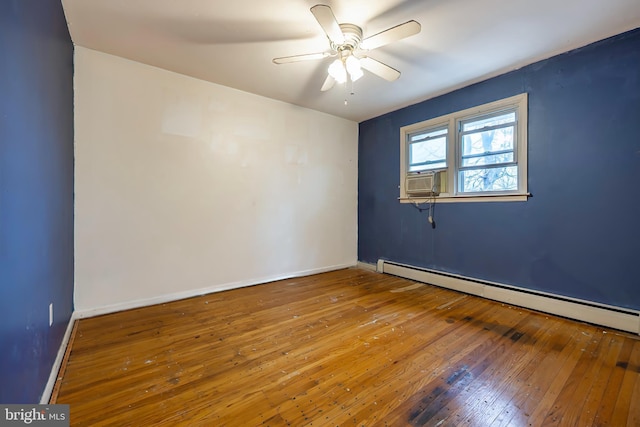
423 184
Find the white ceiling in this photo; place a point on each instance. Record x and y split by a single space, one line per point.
232 42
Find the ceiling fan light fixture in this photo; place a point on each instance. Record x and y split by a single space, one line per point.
337 71
353 68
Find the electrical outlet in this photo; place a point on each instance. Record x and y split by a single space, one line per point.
50 314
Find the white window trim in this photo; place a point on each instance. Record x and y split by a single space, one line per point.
451 120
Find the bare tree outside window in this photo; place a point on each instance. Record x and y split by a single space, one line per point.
486 145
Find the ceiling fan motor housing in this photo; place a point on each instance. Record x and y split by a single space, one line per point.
352 38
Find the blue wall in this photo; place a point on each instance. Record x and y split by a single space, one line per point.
36 193
579 235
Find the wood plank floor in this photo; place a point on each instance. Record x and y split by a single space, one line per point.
349 347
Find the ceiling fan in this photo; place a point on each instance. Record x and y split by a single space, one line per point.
349 48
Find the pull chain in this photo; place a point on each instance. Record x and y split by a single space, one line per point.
352 92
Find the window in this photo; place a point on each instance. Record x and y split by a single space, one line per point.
428 150
479 153
487 156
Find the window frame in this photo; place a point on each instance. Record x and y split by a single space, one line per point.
453 122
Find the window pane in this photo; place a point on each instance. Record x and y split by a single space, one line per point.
428 154
491 121
488 142
491 159
493 179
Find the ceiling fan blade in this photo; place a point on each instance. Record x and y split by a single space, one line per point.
298 58
379 69
328 22
391 35
328 83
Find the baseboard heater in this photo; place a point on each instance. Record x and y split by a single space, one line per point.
586 311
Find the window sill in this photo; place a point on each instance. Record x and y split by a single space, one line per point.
445 198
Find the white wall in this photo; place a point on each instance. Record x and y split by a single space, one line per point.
183 185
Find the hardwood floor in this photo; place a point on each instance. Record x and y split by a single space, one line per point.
349 347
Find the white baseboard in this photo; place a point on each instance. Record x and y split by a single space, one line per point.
57 363
161 299
573 308
366 266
